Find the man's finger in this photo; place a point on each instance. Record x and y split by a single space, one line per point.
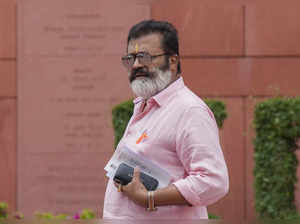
136 174
119 186
116 184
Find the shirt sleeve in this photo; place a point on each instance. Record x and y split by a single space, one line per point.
199 150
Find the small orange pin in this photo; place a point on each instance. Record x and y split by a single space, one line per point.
144 135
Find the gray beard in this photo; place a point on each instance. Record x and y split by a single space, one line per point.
148 87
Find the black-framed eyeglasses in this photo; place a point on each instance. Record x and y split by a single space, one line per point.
144 58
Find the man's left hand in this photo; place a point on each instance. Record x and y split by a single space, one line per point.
135 190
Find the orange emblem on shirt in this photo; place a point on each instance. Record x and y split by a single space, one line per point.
143 136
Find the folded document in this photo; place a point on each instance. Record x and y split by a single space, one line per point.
120 168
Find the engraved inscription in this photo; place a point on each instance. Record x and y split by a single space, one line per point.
80 40
67 86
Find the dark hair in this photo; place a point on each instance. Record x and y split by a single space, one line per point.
167 30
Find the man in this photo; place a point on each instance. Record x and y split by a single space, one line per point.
180 134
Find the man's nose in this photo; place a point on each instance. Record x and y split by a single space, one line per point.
136 63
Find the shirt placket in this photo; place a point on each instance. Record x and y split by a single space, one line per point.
138 116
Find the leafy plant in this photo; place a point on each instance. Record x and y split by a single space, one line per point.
84 214
219 109
87 214
3 210
277 126
120 117
213 216
50 216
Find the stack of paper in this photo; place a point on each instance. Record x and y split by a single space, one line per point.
129 157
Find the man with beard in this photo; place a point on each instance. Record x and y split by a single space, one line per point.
170 126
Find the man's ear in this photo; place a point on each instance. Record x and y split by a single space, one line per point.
173 59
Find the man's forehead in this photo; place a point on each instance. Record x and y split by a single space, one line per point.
145 43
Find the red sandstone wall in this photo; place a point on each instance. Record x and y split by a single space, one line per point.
8 102
240 52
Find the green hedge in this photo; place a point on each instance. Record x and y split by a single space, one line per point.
3 210
277 126
122 113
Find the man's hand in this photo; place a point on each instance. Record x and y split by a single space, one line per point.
135 190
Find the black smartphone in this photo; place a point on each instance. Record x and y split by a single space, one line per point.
124 175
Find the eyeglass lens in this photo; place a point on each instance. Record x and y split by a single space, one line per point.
143 58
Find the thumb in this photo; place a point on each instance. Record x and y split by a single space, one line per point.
136 174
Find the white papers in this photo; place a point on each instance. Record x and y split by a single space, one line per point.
126 155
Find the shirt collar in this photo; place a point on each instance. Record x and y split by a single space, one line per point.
163 96
137 100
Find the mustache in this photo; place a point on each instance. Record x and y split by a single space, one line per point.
142 71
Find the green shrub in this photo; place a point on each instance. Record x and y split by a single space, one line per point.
213 216
277 126
3 210
50 216
87 214
43 216
84 214
123 111
120 117
219 110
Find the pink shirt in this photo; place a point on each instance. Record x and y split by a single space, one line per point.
182 138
